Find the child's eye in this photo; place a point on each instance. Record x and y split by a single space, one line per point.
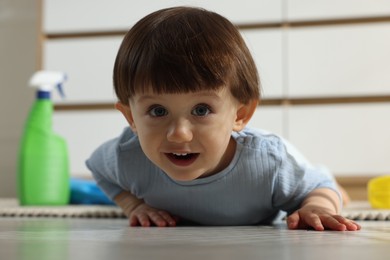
201 110
158 111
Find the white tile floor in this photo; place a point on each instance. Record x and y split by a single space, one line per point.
109 239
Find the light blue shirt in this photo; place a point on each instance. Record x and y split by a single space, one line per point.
266 176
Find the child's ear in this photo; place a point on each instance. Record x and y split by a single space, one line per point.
126 112
244 114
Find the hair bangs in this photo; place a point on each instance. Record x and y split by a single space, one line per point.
174 72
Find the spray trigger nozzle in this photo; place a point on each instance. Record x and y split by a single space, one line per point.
47 80
60 90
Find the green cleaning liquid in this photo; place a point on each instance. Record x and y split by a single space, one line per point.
43 170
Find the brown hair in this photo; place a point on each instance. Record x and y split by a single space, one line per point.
181 50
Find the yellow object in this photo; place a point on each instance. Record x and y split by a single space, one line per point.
379 192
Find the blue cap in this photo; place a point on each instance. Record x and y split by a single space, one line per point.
43 94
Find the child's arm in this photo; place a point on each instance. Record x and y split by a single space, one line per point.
139 213
319 210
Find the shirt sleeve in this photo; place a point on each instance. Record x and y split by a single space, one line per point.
102 165
295 178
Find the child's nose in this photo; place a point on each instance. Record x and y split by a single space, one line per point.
180 131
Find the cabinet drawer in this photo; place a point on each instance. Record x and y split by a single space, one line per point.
328 9
84 131
88 63
344 60
106 15
349 139
270 118
266 48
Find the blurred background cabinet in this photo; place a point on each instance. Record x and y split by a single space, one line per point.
82 38
324 68
105 15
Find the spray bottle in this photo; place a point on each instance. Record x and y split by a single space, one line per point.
43 173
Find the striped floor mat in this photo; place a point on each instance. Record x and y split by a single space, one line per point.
360 211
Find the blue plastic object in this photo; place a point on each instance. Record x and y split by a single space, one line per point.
87 192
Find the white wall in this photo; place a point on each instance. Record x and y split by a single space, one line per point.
18 60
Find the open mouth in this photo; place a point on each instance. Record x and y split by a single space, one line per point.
182 159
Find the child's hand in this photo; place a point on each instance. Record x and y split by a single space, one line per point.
145 216
140 214
319 219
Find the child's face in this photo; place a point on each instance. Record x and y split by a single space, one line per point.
187 135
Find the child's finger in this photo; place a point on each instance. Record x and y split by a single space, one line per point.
314 221
168 218
350 225
143 220
293 220
135 220
157 219
332 223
